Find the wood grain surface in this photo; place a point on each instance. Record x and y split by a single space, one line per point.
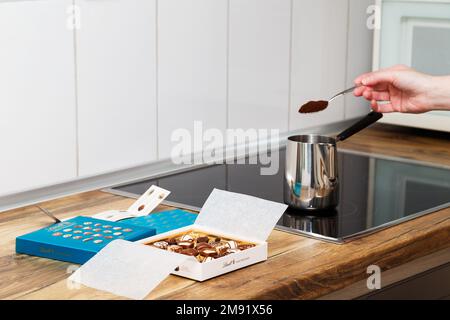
409 143
297 268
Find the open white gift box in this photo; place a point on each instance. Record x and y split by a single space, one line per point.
200 271
232 216
133 269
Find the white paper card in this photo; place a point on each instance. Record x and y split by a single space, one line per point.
148 201
127 269
141 207
240 214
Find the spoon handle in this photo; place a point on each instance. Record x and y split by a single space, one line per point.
343 92
48 213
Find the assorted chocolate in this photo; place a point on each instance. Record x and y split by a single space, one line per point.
203 246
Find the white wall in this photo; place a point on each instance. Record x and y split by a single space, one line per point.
139 69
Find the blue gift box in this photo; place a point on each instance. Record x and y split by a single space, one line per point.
78 239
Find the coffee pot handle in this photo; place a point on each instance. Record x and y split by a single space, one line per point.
368 120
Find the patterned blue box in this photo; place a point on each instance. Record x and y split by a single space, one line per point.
78 239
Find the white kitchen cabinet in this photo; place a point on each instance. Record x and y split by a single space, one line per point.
319 47
37 95
116 81
192 68
415 33
259 45
359 53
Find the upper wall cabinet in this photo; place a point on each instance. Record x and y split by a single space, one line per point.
259 43
37 99
192 68
319 47
116 72
415 33
359 52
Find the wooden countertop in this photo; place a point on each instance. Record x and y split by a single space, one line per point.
297 268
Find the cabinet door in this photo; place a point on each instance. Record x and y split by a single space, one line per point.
319 47
359 54
192 68
416 34
116 70
37 95
259 64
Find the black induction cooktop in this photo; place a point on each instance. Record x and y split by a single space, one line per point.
375 192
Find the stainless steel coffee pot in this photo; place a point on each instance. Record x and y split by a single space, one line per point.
311 180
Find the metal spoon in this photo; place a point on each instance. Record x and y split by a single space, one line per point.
316 106
48 213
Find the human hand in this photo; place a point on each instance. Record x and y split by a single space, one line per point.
404 90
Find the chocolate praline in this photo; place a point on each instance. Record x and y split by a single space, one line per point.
159 244
232 244
208 252
208 259
186 244
174 248
186 237
202 245
189 252
222 249
204 239
245 246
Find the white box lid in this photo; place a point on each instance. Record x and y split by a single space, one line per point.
240 214
127 269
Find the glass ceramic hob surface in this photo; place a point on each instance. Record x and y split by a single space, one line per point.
375 192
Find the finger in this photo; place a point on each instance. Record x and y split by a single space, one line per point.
358 79
383 108
381 95
373 104
367 94
359 91
398 67
380 87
